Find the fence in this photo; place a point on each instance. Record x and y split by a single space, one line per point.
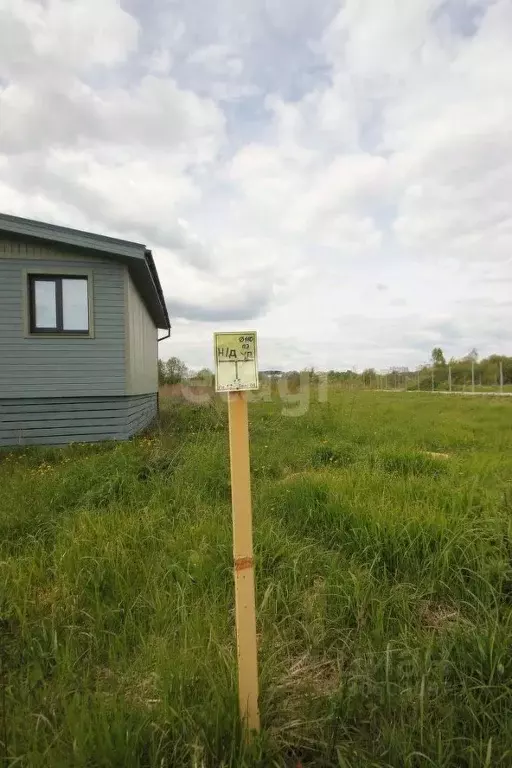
446 379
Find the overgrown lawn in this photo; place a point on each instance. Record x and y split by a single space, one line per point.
382 526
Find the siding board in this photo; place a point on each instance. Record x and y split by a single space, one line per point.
141 344
71 432
57 421
18 420
33 406
53 367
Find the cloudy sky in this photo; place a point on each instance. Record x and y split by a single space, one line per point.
336 174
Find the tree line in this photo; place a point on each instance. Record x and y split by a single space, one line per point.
440 373
175 371
437 373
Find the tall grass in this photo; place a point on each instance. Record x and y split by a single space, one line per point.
384 591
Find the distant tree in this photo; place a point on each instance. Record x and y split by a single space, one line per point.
437 356
311 372
205 375
161 372
293 380
175 370
472 355
507 370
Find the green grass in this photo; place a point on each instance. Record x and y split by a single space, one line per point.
384 591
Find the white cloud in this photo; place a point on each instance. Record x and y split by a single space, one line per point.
380 42
121 158
154 112
217 59
75 34
338 175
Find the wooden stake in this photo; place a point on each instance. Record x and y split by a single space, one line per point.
243 561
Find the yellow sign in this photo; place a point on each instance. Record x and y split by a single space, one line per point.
236 361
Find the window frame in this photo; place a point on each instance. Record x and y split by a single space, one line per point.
30 276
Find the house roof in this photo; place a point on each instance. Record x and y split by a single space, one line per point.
136 256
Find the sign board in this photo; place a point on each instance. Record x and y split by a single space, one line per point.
236 361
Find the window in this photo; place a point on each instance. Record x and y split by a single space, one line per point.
59 304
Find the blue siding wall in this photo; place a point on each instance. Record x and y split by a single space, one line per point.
54 421
60 367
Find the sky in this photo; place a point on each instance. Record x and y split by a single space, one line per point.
335 174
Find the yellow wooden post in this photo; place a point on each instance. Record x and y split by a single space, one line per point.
243 561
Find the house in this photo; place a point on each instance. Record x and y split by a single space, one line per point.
79 320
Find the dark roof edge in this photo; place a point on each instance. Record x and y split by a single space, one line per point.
158 287
68 236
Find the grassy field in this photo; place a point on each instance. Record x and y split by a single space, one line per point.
384 591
